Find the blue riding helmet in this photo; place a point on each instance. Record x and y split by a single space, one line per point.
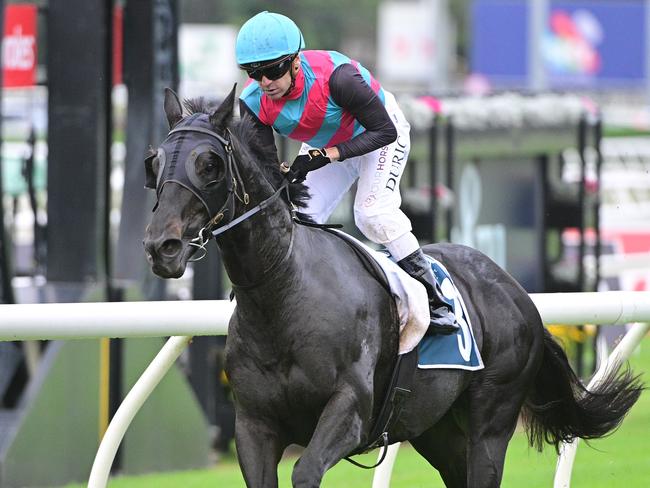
266 37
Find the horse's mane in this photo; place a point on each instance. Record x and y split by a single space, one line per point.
265 155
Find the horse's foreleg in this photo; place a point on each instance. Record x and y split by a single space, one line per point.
338 433
259 449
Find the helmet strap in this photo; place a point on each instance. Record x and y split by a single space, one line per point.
292 72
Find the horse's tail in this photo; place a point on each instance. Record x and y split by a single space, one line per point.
559 408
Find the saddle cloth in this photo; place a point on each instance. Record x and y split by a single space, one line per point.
457 351
410 296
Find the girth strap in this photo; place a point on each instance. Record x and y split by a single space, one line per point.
399 390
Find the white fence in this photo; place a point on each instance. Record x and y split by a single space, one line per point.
210 317
115 319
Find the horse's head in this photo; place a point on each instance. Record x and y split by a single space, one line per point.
195 181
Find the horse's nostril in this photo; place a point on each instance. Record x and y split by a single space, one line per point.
171 247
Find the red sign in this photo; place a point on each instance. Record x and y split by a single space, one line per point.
19 45
118 43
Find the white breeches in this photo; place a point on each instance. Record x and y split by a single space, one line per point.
377 202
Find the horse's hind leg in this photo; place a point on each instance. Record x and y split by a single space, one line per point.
493 417
259 450
444 446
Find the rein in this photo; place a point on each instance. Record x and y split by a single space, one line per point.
200 241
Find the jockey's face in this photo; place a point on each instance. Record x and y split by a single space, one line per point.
276 89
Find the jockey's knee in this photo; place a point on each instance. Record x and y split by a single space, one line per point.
377 228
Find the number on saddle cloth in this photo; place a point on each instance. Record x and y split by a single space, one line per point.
455 351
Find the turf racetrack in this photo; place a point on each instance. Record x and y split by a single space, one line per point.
620 460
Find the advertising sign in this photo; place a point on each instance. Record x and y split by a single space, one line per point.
585 43
207 59
19 45
594 43
414 43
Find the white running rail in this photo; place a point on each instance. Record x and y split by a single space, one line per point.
46 321
183 319
130 406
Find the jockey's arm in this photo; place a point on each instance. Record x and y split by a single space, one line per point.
351 92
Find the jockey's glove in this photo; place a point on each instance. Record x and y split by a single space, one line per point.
304 163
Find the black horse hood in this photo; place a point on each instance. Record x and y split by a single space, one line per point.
178 153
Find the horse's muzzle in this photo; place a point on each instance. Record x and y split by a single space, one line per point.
165 257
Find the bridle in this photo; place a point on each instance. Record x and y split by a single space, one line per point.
201 240
233 182
234 186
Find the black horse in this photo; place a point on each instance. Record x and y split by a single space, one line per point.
313 340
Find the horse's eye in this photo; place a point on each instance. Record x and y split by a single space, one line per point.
205 166
209 168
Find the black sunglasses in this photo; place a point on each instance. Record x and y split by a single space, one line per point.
272 71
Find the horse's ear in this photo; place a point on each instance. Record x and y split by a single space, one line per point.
223 115
173 108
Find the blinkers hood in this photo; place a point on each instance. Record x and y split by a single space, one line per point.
177 156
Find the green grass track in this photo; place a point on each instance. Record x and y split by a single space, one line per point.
620 460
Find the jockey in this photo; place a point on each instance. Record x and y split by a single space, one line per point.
350 127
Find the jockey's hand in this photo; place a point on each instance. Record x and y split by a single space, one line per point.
303 164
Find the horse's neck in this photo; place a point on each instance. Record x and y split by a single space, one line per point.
253 249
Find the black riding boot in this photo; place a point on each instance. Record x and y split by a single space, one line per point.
443 320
